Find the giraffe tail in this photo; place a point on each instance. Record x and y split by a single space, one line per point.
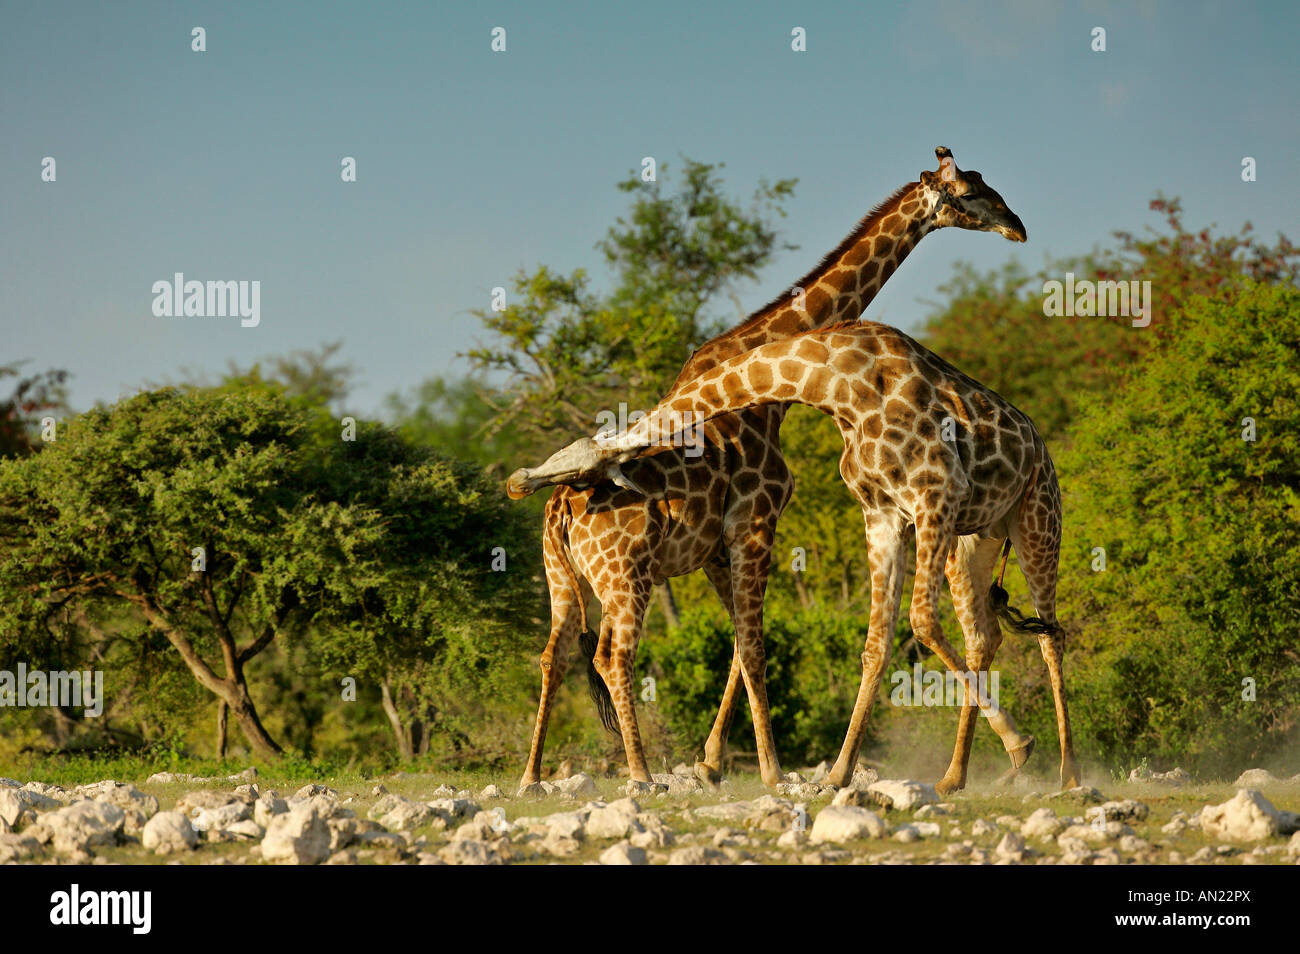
596 685
557 529
1011 617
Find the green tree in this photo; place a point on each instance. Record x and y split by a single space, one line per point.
216 520
1189 479
569 351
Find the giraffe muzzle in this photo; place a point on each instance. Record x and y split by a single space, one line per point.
582 461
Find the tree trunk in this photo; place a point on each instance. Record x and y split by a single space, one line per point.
801 590
249 723
233 689
395 720
668 604
223 710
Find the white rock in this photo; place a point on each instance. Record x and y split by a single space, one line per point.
1012 847
491 791
853 796
980 827
469 852
794 838
13 802
679 784
47 796
246 829
841 823
1042 823
1247 816
308 791
300 836
267 807
1173 777
135 804
167 778
80 826
623 854
906 833
864 778
615 820
580 785
931 811
1256 778
697 855
168 832
1126 810
400 814
567 825
902 794
219 818
452 809
15 848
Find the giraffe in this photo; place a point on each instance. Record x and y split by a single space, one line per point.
671 513
924 446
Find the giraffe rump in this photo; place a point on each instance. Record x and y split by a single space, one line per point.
596 685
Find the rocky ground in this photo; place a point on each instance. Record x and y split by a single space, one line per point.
1167 818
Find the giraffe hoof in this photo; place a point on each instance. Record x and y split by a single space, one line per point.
709 776
531 790
947 785
1020 755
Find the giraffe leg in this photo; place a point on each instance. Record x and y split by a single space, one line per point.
970 564
1036 536
620 631
886 540
749 567
934 543
709 769
554 662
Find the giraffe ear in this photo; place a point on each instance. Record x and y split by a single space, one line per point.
936 181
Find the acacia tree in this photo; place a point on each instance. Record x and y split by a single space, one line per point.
220 520
1188 480
570 351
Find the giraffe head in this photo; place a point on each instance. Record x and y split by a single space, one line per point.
965 201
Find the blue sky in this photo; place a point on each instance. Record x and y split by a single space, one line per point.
474 164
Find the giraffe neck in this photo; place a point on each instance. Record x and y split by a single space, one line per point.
778 372
839 288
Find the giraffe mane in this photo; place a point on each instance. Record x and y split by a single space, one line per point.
865 224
